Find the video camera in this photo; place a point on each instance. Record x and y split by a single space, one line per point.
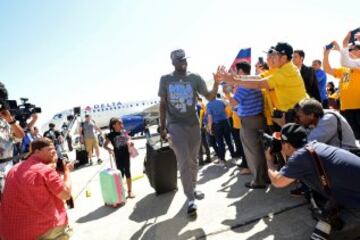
21 112
272 142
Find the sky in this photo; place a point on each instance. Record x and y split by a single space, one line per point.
62 54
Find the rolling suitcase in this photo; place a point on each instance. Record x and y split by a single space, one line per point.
112 188
160 167
81 157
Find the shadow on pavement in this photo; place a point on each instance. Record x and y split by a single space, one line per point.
211 172
152 206
170 229
256 206
101 212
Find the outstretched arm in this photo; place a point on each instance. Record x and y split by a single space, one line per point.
327 67
252 82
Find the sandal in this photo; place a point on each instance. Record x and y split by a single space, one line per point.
245 171
130 195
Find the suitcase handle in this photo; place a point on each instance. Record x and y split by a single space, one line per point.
111 159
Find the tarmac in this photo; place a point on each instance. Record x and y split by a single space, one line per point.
228 211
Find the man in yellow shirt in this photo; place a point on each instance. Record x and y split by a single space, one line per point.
349 85
286 82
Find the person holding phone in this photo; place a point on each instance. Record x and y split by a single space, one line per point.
41 212
9 130
349 86
350 55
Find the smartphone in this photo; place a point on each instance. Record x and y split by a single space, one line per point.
353 33
329 46
261 60
277 114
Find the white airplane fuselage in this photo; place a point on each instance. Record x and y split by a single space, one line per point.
103 112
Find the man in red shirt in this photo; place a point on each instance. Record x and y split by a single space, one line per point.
32 205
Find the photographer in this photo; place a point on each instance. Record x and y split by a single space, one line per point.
56 137
349 86
340 167
349 58
326 126
9 130
41 213
29 136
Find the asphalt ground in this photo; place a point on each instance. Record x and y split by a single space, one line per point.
228 211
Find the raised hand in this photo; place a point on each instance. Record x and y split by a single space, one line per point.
346 40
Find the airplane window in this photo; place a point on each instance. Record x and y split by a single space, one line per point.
131 105
137 104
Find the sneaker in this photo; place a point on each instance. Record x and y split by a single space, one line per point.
99 161
254 186
199 195
191 211
297 192
91 162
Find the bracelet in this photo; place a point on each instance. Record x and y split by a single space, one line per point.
12 122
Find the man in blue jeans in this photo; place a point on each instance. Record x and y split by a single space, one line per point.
220 127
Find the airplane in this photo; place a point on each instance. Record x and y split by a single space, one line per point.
133 114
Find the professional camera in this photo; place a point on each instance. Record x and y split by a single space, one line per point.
272 142
21 112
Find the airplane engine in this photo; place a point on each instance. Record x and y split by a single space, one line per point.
133 124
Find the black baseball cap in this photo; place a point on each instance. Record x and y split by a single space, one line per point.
178 54
294 134
282 48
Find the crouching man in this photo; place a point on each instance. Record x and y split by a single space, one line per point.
32 204
338 167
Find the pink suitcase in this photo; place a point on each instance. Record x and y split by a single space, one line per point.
112 188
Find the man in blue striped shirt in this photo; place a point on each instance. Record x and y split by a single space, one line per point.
250 111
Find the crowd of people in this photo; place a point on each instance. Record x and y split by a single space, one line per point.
314 120
317 127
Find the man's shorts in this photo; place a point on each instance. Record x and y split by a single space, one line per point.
57 233
90 144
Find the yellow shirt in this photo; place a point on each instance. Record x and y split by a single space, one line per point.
228 111
236 120
269 98
349 88
202 113
288 86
